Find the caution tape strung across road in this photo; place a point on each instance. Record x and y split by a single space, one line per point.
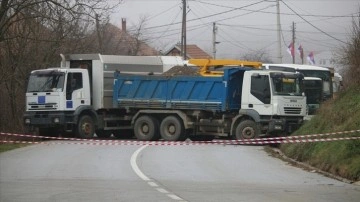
258 141
174 143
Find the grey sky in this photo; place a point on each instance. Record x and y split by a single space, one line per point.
249 28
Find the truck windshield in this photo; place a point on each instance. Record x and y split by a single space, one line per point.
313 91
284 84
324 75
46 81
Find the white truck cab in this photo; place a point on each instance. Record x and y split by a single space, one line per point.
277 97
53 94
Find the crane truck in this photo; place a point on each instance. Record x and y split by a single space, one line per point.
91 95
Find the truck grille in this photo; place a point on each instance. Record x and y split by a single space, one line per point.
292 110
47 106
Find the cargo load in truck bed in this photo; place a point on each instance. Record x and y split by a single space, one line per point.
221 93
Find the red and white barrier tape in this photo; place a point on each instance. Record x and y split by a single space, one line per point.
232 141
258 141
173 143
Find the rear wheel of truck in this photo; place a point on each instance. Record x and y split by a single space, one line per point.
85 127
247 129
146 128
172 129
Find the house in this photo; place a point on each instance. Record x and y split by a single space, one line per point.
192 52
115 41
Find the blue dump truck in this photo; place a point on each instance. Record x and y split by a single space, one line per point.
242 103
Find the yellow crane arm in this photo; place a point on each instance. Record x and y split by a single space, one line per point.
216 63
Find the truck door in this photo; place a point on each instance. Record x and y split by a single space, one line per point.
75 90
84 64
260 94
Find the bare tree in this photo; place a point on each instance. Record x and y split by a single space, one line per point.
137 35
350 55
15 11
259 55
32 34
137 40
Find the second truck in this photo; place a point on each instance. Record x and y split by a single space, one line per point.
91 95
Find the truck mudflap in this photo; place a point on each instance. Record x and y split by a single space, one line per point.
284 124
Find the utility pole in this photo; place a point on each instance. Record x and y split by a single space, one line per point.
293 41
183 31
98 32
214 39
278 31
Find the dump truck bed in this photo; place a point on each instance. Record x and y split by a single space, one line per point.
221 93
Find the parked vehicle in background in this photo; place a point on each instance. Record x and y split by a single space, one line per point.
311 74
337 81
313 87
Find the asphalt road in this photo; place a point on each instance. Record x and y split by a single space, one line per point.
65 172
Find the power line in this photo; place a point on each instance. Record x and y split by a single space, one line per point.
273 29
240 45
244 14
313 25
178 32
212 15
167 29
269 12
164 11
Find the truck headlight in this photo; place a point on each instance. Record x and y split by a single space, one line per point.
27 121
56 120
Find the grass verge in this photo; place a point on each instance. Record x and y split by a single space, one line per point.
8 147
340 158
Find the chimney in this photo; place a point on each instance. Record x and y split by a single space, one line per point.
123 24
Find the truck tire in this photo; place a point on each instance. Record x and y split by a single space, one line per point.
85 127
146 128
172 129
247 129
103 133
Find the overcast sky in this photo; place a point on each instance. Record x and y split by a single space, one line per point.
244 26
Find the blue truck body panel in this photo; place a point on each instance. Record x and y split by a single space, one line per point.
179 92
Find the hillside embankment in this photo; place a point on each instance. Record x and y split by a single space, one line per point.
340 158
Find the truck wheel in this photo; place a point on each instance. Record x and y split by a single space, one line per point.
85 127
247 130
172 129
146 128
103 133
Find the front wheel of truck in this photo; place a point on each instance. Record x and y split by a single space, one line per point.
247 129
85 127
